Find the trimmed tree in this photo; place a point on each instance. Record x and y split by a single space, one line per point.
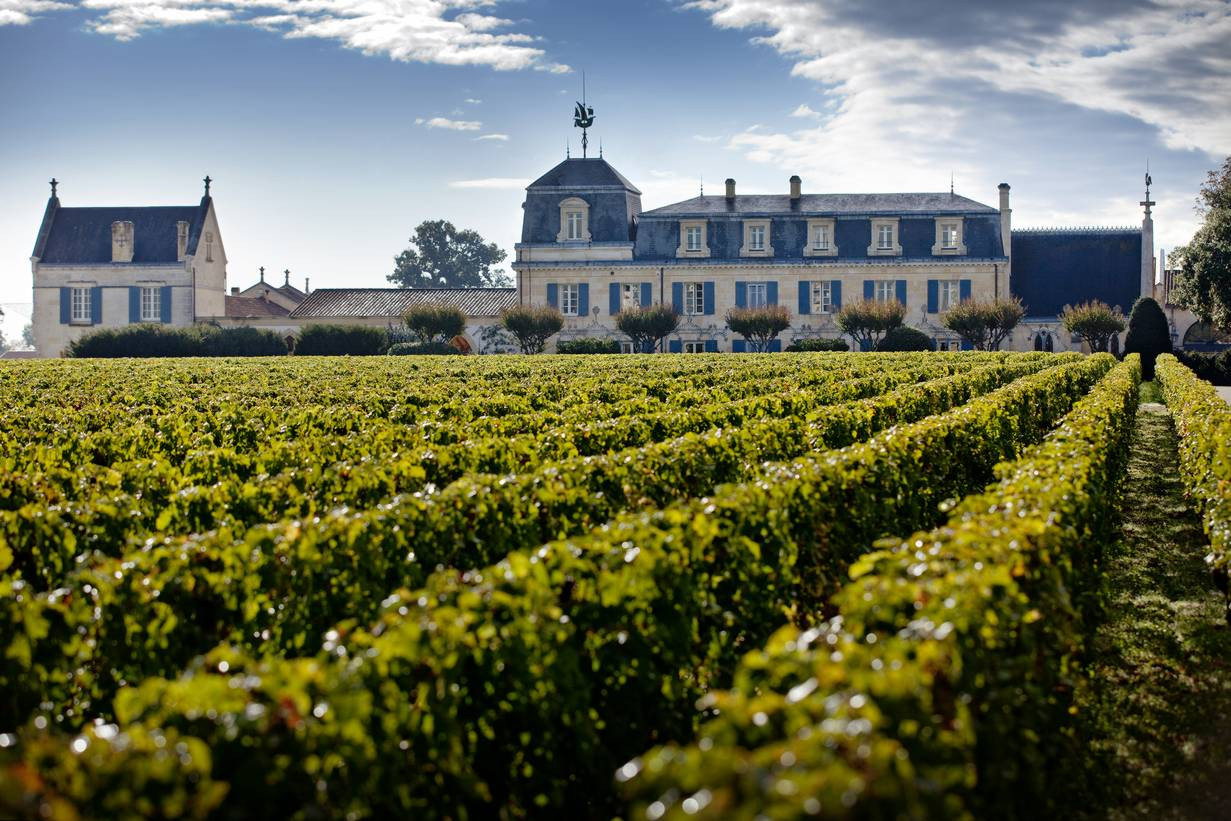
1203 284
760 326
647 325
532 325
1148 334
1095 322
904 338
435 322
867 321
984 325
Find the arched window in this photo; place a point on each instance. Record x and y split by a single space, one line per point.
574 220
1038 342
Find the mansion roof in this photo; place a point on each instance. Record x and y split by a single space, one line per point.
395 302
824 204
82 236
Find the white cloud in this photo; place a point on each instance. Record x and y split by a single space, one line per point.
448 32
21 12
450 125
705 138
472 100
804 110
492 183
504 138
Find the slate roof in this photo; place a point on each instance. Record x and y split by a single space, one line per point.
1065 266
583 172
825 204
394 302
249 307
82 236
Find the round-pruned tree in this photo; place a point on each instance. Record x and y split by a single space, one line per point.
905 338
532 325
984 324
867 320
647 325
1148 334
760 325
1095 322
435 322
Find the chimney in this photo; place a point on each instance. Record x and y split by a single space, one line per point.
122 241
181 240
796 183
730 190
1006 225
234 290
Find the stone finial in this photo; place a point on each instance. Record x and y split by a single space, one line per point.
54 183
207 182
262 273
288 277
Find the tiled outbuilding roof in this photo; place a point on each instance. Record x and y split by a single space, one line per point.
251 307
82 236
837 204
395 302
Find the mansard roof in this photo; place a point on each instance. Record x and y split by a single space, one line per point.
395 302
1054 267
583 173
823 204
82 236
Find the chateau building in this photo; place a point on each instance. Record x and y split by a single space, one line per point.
589 249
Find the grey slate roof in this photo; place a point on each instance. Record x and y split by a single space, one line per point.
825 204
394 302
1065 266
82 236
581 173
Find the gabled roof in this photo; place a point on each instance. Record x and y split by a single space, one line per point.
825 204
250 307
82 236
395 302
583 173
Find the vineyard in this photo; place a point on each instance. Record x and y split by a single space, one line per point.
638 586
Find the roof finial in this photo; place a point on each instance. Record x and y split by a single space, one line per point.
951 183
1147 202
288 276
54 183
600 148
262 273
207 182
583 116
567 150
703 185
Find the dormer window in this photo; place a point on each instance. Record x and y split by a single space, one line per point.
949 237
756 239
122 241
574 220
820 238
885 238
820 241
181 240
693 240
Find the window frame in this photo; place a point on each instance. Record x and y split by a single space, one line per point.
763 228
889 289
759 288
83 298
822 297
948 294
894 247
829 226
694 298
941 247
685 248
569 207
630 296
693 347
756 238
151 303
570 292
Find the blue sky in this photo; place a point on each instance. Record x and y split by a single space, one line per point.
333 127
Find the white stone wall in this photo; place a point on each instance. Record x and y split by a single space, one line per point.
211 274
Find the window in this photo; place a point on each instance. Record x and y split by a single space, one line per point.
694 298
626 347
756 238
80 304
151 304
694 347
948 345
630 296
948 235
948 294
570 299
884 290
693 238
209 246
758 294
574 220
574 225
820 238
884 238
822 297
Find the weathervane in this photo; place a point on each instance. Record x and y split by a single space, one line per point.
1149 181
583 117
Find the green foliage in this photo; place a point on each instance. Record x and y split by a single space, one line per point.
435 322
532 325
647 325
27 336
867 321
1095 322
903 338
146 340
814 345
1212 367
985 325
760 325
422 349
1203 284
588 345
341 340
1149 334
441 256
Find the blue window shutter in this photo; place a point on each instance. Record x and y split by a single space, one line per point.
553 294
775 346
837 294
583 299
164 304
134 304
771 292
677 297
900 290
66 305
933 296
741 294
647 294
711 346
96 306
963 289
966 346
869 289
708 298
675 346
613 298
738 346
805 298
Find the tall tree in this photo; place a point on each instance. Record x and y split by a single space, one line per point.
1203 284
441 256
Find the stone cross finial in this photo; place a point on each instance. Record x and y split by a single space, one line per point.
262 273
207 182
54 183
288 276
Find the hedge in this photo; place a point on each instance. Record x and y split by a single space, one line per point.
147 340
422 349
1212 367
587 346
944 687
341 340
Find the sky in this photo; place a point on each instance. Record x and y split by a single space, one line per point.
332 127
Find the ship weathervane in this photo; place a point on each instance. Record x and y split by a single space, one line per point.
583 118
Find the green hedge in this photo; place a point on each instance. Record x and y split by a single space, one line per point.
945 686
587 346
802 345
148 340
341 340
1212 367
519 687
422 349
